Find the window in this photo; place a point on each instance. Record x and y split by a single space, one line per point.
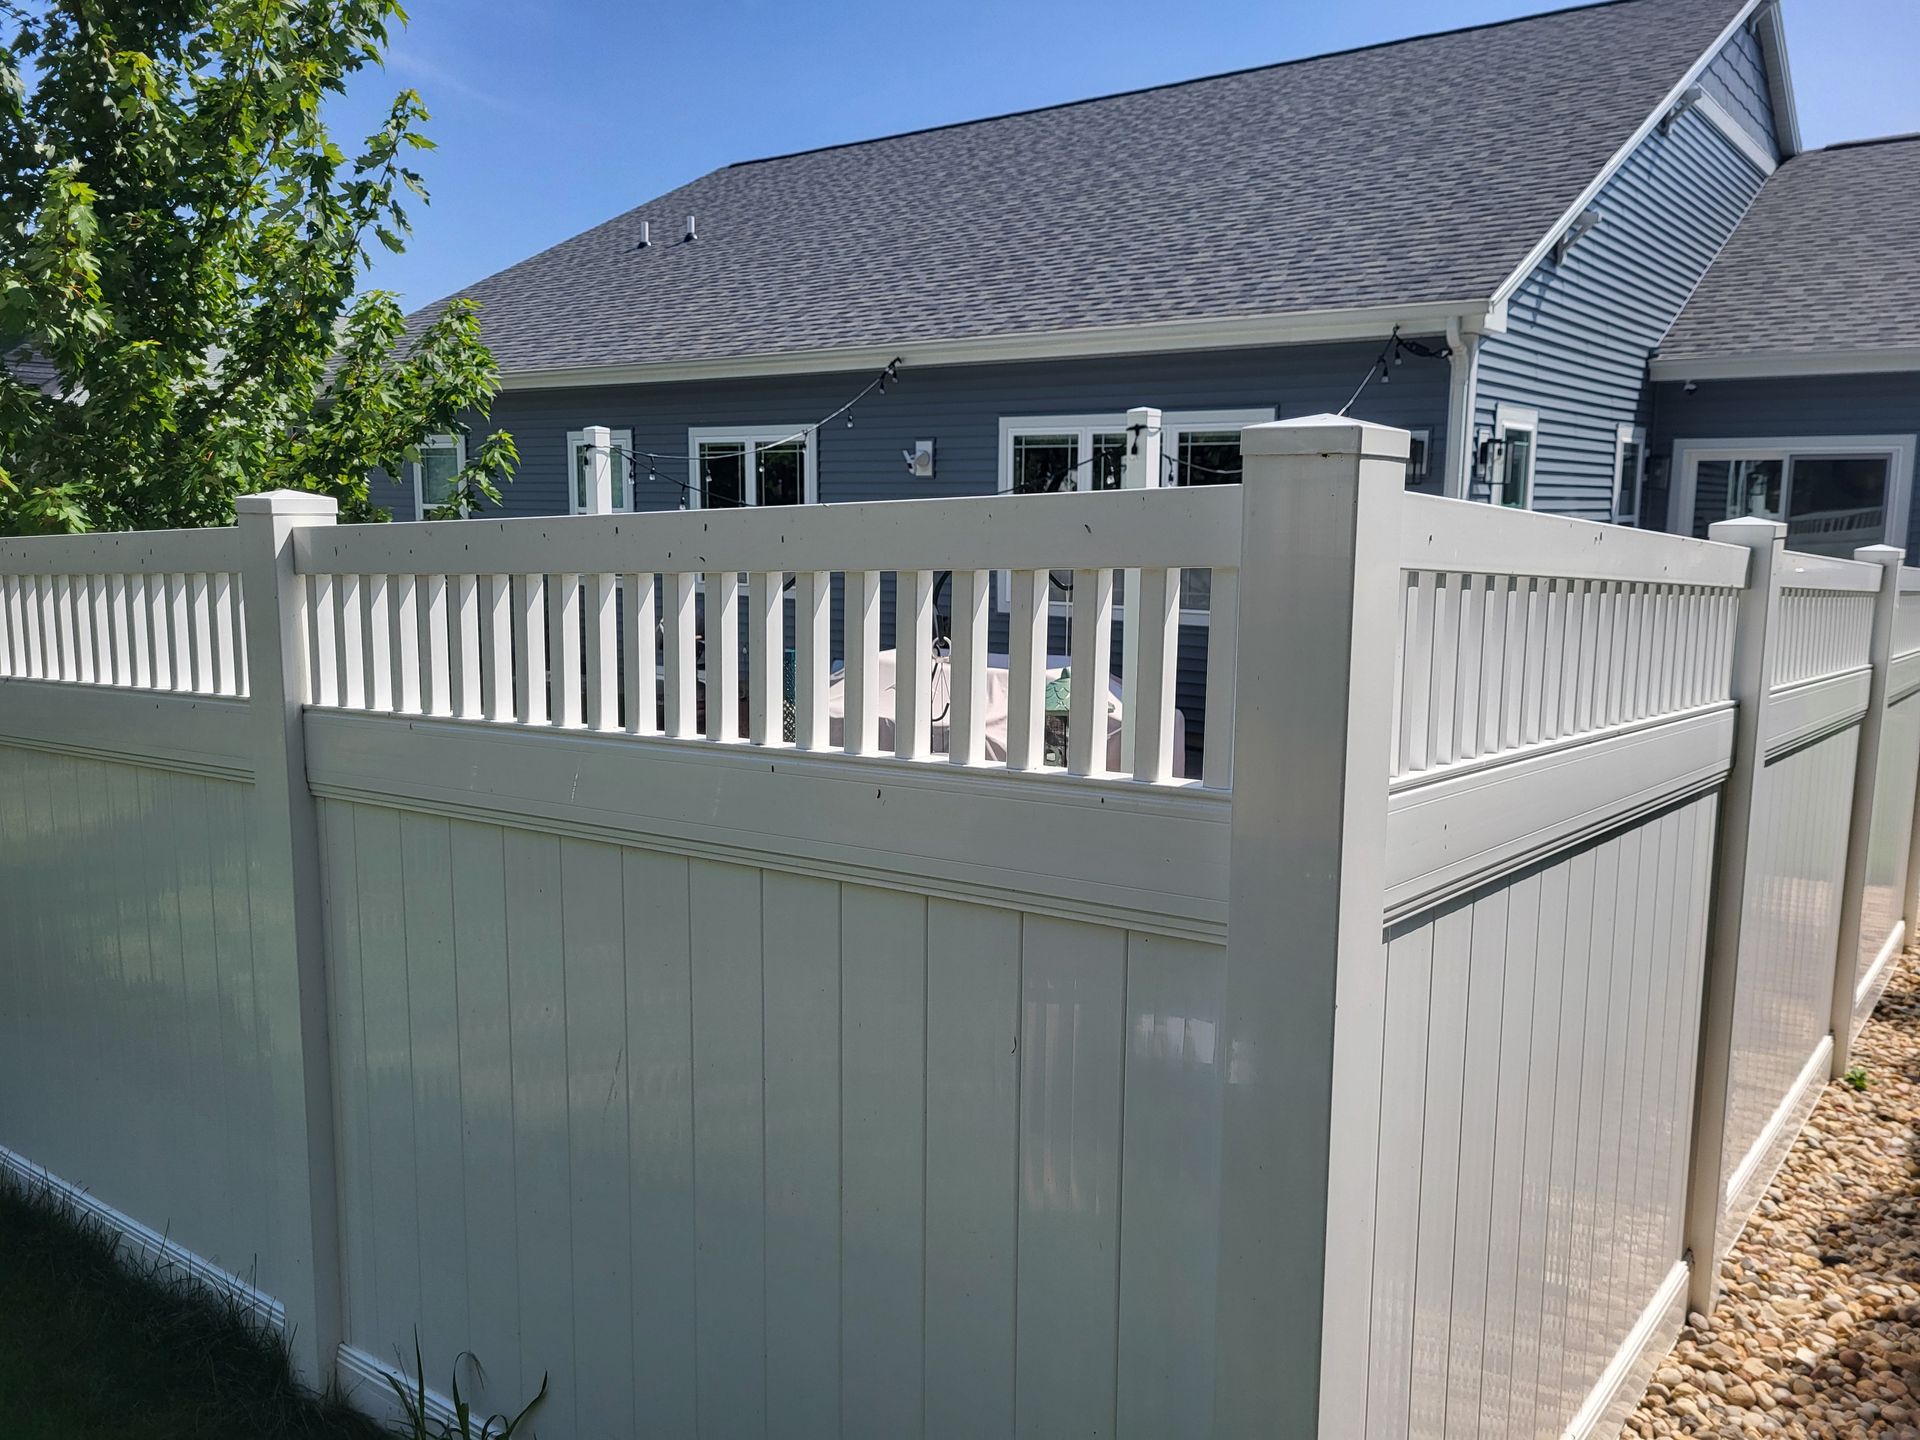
1046 453
1834 493
1516 431
442 458
579 466
1418 444
1629 473
763 466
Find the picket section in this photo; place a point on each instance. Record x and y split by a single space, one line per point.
634 627
681 954
146 611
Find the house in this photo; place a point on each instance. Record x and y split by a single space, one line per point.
1790 384
1479 236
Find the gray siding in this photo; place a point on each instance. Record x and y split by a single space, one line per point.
1738 80
1580 333
1788 406
959 408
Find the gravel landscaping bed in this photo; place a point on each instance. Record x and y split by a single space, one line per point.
1819 1330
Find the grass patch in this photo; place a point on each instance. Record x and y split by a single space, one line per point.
90 1348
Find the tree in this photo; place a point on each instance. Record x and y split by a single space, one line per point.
180 244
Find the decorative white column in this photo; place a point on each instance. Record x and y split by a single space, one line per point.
289 937
599 495
1319 582
1866 780
1140 469
1707 1173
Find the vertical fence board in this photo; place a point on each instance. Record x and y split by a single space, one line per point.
729 1087
973 1137
804 1147
660 1138
1074 981
882 1192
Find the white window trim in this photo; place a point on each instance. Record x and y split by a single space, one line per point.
1625 435
1687 455
755 435
1508 418
1173 423
437 442
622 483
1424 435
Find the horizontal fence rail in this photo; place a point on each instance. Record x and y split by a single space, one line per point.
1519 629
640 633
160 610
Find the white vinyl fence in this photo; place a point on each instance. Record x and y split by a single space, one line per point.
519 932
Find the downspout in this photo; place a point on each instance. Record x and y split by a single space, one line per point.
1463 359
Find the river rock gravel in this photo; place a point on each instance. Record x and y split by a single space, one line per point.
1818 1330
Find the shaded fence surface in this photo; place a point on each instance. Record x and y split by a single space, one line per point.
426 926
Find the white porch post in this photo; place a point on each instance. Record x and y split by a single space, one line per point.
599 470
1866 779
1707 1172
1463 378
1319 580
283 879
1140 469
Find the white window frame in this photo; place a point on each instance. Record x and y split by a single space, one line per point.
458 443
622 484
1424 436
1507 419
755 436
1173 424
1625 435
1687 455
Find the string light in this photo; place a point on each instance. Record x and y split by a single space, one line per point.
1390 355
889 372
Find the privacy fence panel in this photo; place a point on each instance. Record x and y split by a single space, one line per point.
1817 698
1885 899
1564 721
881 1097
141 1030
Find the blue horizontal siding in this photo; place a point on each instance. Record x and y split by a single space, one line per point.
959 407
1579 333
1738 80
1798 407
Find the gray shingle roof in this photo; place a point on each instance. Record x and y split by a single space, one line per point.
1826 260
1416 172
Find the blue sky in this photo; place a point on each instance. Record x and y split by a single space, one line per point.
553 116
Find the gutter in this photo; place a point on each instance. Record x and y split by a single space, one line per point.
1301 327
1759 364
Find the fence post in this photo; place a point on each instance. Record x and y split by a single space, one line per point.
289 940
1707 1173
1139 470
599 450
1319 581
1866 779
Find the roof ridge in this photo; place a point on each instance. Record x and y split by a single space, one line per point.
1905 138
1180 84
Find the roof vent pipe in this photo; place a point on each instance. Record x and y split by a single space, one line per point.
646 235
693 229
